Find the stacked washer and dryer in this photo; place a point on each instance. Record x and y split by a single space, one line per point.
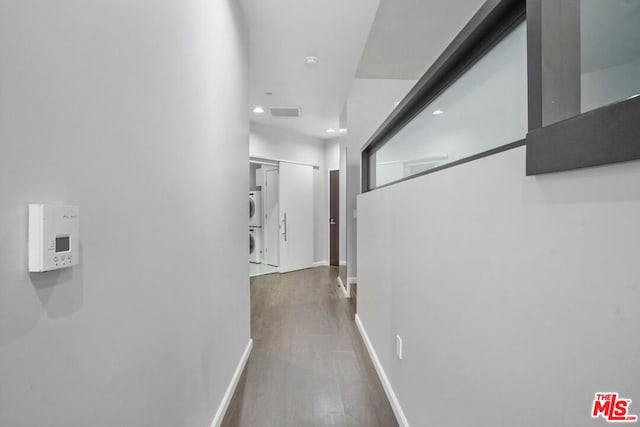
255 226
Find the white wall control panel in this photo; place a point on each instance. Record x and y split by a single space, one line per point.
53 237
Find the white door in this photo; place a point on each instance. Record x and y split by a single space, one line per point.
296 217
271 218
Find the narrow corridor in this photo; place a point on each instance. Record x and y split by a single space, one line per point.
309 366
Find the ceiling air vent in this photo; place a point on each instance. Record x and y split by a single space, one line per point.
285 111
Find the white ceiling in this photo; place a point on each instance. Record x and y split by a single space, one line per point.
391 39
282 34
408 35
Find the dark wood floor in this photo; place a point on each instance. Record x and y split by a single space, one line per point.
309 366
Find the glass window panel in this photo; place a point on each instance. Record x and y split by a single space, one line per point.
609 51
483 109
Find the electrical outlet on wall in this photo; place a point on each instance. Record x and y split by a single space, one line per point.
399 347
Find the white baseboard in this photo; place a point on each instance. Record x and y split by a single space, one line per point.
351 280
320 263
226 399
393 400
346 290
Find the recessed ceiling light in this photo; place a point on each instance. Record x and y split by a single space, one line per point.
437 112
342 130
258 109
331 130
311 60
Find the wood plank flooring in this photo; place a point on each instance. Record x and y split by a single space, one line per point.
309 366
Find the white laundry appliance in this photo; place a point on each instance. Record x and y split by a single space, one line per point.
255 244
255 208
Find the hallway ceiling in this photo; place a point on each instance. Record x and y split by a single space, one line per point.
391 39
282 34
408 35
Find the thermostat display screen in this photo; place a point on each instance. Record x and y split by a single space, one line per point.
62 244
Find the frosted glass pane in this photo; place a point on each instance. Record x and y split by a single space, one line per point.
609 51
484 109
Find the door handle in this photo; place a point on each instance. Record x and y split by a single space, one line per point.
332 221
284 227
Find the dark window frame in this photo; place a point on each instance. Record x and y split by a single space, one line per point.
560 137
492 23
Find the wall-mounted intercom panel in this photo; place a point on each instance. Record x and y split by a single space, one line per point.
53 237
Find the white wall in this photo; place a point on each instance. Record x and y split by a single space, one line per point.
332 162
342 153
253 168
332 154
268 142
136 111
369 103
343 204
517 297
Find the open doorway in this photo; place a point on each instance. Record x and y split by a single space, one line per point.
263 218
334 218
281 217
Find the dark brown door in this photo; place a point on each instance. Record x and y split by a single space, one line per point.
334 215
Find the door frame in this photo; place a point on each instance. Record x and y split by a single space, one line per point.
328 216
265 239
